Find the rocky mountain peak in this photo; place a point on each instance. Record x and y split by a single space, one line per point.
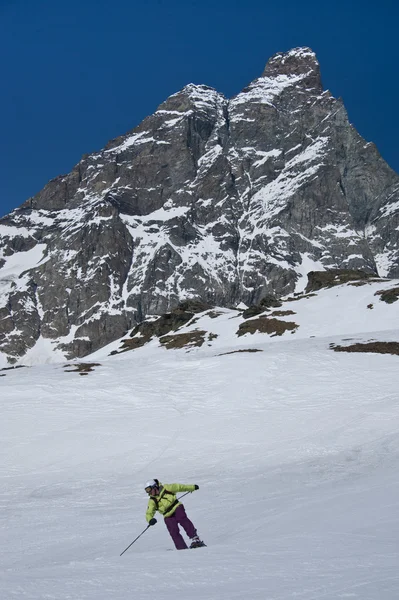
299 63
222 201
192 97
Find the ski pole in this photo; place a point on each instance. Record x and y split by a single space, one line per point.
135 540
180 497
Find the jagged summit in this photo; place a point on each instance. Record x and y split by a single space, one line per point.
224 201
192 98
298 62
198 91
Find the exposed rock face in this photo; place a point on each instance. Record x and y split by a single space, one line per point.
325 279
208 198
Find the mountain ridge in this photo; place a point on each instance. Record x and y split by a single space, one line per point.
220 200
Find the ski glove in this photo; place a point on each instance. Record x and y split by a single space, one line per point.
196 487
152 522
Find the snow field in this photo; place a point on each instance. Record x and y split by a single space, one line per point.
295 450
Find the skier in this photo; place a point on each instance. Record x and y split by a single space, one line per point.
163 499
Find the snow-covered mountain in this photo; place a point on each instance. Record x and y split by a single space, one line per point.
294 446
224 201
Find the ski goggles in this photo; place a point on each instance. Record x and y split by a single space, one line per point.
149 489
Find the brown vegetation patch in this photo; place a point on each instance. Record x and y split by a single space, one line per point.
253 310
388 296
326 279
213 314
369 280
266 325
131 344
82 368
375 347
183 340
299 297
282 313
237 351
171 321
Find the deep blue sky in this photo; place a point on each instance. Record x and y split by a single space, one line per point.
78 73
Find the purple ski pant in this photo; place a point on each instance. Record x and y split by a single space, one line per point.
179 517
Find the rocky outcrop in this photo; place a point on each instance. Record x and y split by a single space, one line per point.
330 278
224 201
160 326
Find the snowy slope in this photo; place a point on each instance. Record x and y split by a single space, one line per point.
343 310
347 309
295 450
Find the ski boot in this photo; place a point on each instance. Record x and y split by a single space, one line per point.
196 542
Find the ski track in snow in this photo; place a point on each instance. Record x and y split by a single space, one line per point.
295 450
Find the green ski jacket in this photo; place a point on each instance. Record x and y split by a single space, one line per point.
166 501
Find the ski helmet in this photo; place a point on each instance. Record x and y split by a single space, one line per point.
151 483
